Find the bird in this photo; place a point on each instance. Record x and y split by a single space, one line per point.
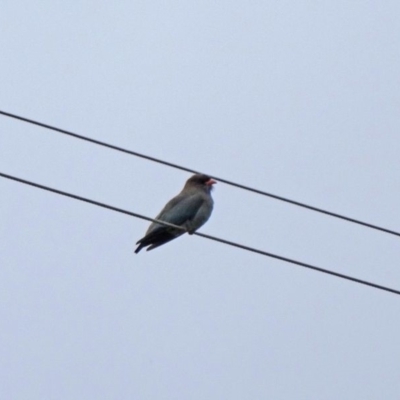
190 209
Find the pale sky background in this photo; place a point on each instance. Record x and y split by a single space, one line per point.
297 98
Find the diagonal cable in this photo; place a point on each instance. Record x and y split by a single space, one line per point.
214 238
182 168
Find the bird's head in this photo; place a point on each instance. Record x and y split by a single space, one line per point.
201 180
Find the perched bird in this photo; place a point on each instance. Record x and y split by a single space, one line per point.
190 209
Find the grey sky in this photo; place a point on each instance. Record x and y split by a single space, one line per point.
297 98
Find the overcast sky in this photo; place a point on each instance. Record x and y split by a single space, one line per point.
297 98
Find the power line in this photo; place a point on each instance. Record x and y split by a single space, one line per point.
217 239
182 168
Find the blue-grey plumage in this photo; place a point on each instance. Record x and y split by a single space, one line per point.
190 209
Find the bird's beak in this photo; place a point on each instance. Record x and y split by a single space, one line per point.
211 182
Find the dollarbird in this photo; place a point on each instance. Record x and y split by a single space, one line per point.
190 209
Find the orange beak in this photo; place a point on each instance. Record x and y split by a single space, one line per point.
211 182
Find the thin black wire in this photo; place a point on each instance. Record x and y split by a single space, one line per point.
238 185
240 246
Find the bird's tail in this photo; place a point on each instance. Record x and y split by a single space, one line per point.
140 247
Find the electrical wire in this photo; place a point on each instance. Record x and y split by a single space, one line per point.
224 241
182 168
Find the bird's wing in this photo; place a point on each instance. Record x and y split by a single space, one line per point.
178 210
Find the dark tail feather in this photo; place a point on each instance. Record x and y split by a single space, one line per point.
156 239
140 247
160 242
